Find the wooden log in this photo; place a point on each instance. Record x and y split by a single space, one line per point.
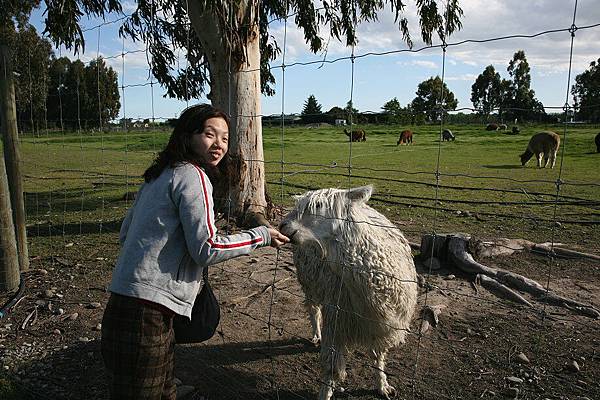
434 246
505 246
498 247
457 253
562 252
521 282
501 291
524 284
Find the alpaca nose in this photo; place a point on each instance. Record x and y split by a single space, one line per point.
282 225
285 227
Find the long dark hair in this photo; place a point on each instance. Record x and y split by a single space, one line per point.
179 150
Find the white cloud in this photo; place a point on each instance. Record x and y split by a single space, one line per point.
419 63
548 54
462 77
494 19
425 64
492 32
471 63
129 6
501 18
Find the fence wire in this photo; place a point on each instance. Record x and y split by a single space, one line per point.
101 190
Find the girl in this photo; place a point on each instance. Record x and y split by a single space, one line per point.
167 238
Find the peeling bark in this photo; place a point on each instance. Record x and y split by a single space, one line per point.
235 88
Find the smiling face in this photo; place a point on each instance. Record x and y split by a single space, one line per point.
211 144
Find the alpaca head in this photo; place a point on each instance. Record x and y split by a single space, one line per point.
525 156
319 215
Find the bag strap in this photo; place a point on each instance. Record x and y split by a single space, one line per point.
205 274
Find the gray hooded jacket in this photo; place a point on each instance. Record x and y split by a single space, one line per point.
169 236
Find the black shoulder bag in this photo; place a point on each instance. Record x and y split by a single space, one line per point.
205 317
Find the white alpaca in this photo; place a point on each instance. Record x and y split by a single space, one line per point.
349 255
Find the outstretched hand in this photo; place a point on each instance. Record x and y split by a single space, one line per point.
277 238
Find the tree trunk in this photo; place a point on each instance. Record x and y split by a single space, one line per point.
9 262
235 88
12 157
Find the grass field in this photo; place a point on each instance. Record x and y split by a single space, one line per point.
77 180
75 188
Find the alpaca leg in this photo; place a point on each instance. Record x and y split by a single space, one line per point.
314 315
546 157
333 358
333 367
383 387
539 160
552 159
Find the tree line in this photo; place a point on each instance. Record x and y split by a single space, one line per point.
492 97
54 92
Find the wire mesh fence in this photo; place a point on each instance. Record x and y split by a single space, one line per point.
79 183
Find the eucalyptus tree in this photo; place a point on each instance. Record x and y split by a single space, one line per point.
31 55
13 17
393 110
228 50
431 94
104 105
523 103
586 93
486 92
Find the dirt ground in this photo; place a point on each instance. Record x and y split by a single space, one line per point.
50 341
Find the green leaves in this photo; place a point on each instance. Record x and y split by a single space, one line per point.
82 96
312 110
432 97
486 92
586 93
226 29
63 19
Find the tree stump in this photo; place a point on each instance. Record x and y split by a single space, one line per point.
453 248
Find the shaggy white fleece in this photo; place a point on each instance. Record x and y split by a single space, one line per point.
358 276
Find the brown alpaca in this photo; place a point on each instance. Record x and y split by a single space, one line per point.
543 145
406 137
358 135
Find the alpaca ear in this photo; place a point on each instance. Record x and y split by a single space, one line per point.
361 194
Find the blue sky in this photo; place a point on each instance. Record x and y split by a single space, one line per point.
377 79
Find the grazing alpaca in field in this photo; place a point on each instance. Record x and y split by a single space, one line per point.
543 145
358 135
406 137
491 127
448 135
349 255
597 140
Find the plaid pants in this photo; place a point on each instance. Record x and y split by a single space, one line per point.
137 347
